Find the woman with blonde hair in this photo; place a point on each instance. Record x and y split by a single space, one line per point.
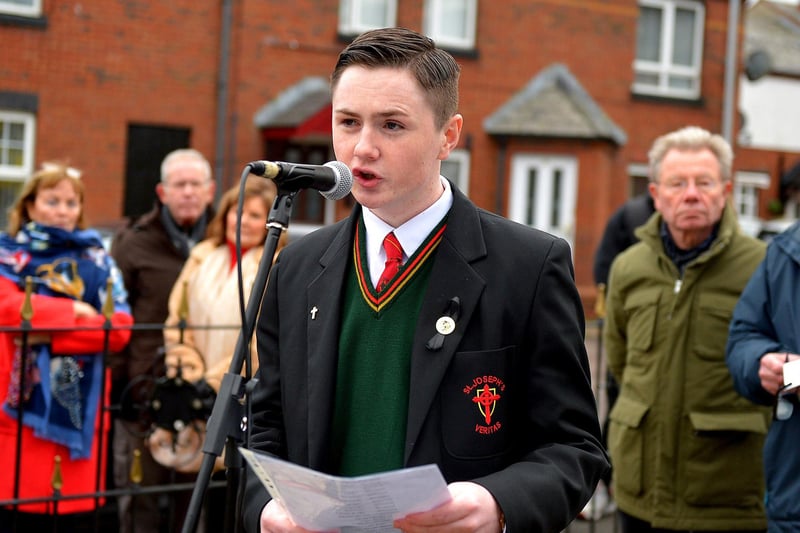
51 378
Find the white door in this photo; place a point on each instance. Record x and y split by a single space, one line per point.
543 193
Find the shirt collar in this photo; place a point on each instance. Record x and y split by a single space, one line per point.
411 234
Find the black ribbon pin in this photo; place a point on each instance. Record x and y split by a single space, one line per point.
445 324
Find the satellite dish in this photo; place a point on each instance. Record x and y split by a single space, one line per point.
757 65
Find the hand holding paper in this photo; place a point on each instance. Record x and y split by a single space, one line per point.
791 375
320 502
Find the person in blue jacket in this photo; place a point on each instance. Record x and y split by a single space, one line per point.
764 336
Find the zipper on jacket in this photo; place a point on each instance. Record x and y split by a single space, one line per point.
678 283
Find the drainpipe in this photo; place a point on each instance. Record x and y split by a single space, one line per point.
223 76
731 57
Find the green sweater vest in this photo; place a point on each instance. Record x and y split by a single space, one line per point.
371 404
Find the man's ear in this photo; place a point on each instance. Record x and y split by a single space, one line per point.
452 133
160 192
652 188
727 187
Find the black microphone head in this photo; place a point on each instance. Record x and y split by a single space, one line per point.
344 181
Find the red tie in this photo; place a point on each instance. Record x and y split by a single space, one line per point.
394 256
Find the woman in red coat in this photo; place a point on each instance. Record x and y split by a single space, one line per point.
52 379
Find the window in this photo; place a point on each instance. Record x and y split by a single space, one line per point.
24 8
16 156
358 16
451 23
543 193
639 178
745 199
669 48
146 147
456 168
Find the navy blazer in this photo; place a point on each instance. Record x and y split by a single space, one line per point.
519 330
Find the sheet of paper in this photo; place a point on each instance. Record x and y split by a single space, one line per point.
367 504
791 374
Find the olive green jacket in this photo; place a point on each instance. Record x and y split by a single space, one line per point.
685 447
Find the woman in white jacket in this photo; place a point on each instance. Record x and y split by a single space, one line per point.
210 281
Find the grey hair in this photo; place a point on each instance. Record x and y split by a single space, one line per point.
182 154
691 138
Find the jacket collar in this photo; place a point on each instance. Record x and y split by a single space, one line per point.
649 233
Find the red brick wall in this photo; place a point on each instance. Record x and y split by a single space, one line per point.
99 66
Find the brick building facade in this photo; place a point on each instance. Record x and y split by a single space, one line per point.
112 86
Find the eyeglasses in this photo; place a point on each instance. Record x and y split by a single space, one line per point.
680 185
193 185
784 407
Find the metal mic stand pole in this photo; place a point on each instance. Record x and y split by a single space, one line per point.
228 423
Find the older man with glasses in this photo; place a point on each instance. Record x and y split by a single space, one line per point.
150 254
686 447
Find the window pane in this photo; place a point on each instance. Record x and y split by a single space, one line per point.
646 79
452 18
555 201
681 82
451 170
12 143
15 157
26 3
530 218
683 43
648 34
373 13
16 145
25 8
16 131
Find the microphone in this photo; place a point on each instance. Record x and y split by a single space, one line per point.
333 180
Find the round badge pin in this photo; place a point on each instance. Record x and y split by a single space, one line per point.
445 325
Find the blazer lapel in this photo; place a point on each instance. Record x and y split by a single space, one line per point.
452 277
324 296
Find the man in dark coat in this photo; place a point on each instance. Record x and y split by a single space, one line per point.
469 356
150 254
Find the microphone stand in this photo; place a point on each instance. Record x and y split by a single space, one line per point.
230 416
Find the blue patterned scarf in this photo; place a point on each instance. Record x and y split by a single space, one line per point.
62 391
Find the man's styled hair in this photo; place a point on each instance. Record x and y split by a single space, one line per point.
691 138
435 70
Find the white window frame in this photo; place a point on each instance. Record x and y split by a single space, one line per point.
33 8
460 159
638 173
745 192
23 171
435 14
746 186
520 196
663 68
350 19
